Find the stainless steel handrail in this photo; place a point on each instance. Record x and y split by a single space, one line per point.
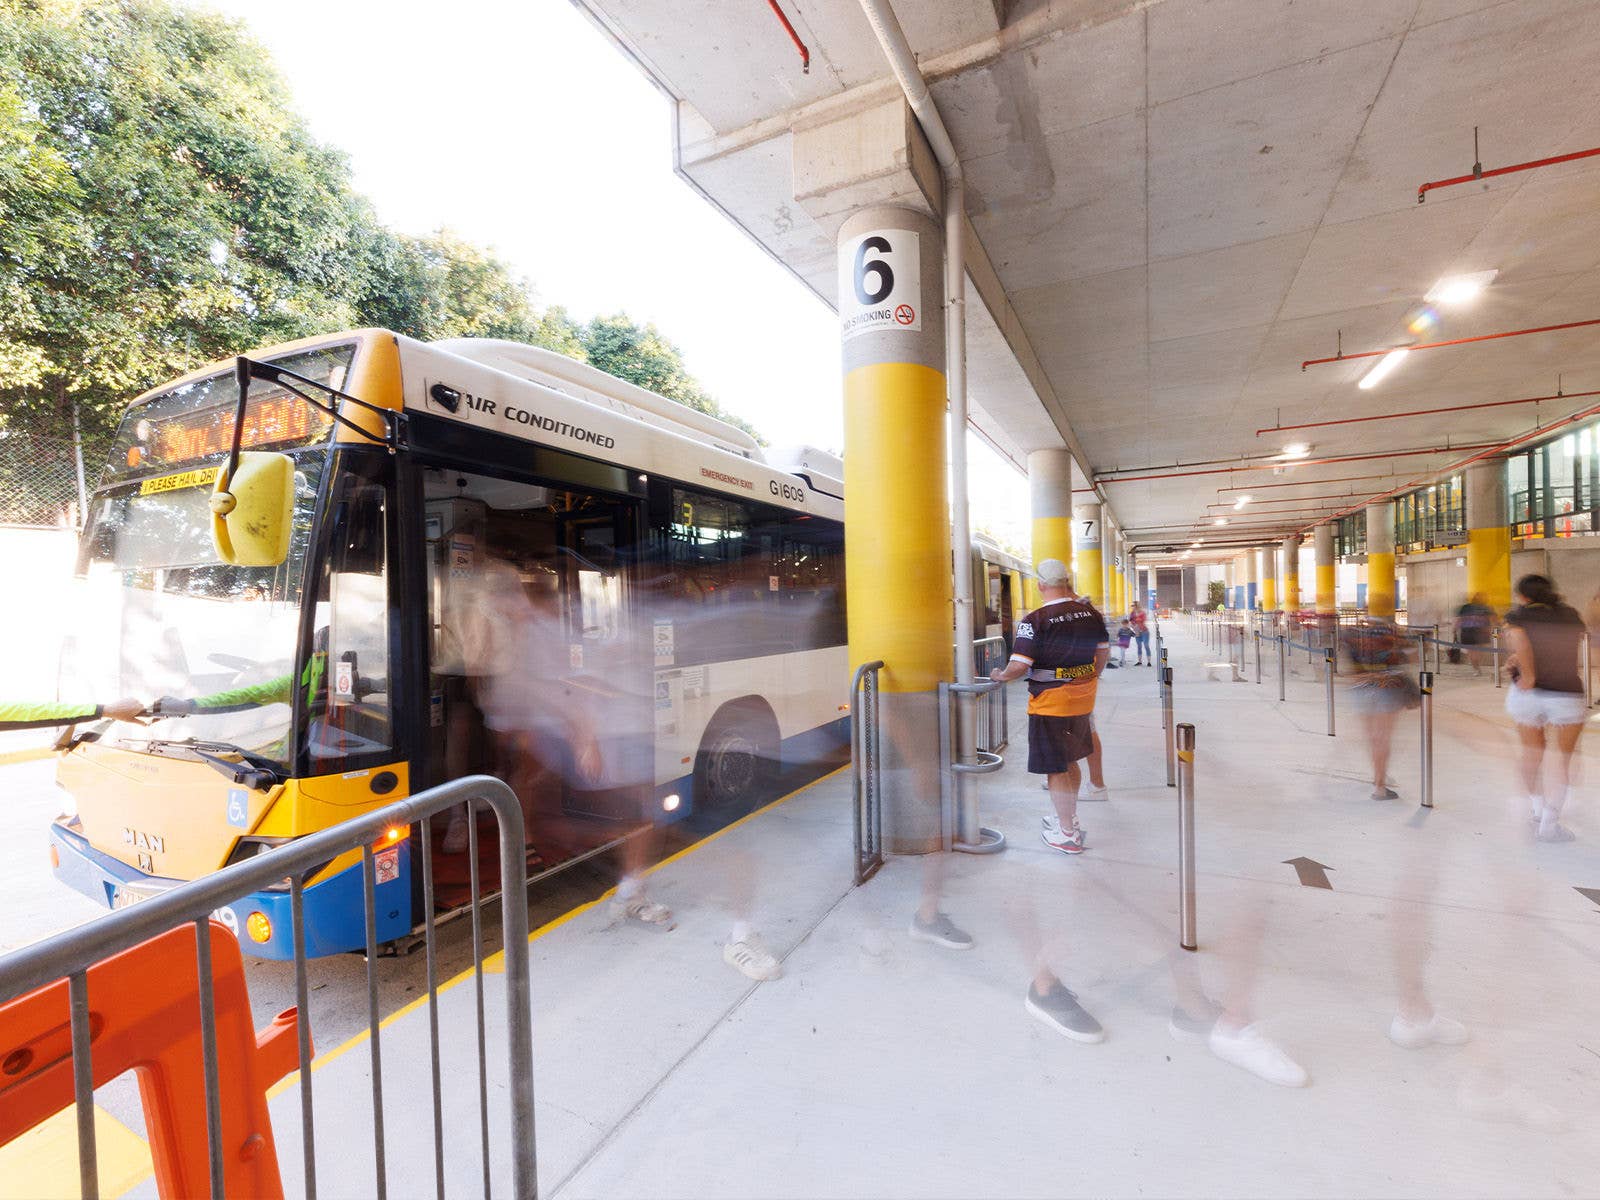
866 770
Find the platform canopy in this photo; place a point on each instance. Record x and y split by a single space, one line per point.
1176 203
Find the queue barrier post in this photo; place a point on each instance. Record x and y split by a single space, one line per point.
1258 656
1327 674
1166 726
1186 884
1426 686
1494 639
1283 667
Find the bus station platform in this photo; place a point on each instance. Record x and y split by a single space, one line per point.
881 1066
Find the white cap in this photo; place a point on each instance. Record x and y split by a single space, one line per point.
1052 572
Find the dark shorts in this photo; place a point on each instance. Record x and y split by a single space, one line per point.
1055 743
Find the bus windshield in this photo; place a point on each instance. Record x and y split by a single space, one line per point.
164 620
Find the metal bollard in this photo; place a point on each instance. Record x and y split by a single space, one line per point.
1426 683
1258 656
1166 726
1283 667
1494 642
1327 674
1186 921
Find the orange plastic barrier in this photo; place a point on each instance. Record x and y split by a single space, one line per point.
144 1016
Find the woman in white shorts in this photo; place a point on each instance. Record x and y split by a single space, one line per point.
1546 692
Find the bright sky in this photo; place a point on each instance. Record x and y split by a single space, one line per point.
521 127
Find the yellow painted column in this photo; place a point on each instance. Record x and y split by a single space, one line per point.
1380 559
1088 578
1327 575
1291 573
1488 534
1050 499
1269 579
898 564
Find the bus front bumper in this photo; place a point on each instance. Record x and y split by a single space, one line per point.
333 907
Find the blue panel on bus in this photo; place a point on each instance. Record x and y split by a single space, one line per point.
335 915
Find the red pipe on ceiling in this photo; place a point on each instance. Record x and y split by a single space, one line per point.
1482 337
1486 452
805 54
1479 173
1425 412
1301 462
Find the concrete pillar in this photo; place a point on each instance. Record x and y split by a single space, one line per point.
1380 559
1130 572
899 587
1050 498
1291 573
1327 573
1488 534
1269 578
1088 575
1246 577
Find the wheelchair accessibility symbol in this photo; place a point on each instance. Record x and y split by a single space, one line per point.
238 808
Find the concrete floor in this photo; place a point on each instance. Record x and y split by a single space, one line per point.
882 1067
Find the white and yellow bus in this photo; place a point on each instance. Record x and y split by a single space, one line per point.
301 653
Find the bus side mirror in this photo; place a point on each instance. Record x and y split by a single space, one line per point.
252 510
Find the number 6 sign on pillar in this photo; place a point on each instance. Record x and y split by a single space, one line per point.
880 283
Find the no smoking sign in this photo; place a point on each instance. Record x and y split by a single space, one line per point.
880 283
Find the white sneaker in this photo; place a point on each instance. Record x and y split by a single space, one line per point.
751 958
1249 1048
1554 831
1091 792
1437 1030
643 910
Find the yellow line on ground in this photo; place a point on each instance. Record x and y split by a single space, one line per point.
22 756
495 962
42 1164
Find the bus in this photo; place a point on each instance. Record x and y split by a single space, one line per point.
286 554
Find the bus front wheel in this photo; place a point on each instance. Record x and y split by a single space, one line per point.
737 762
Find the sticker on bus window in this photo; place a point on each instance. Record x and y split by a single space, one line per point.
772 583
238 808
665 642
177 483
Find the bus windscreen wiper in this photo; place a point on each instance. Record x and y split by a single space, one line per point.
254 772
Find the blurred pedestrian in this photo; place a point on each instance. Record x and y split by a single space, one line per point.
1062 649
1473 621
1139 622
1124 640
1383 689
1546 692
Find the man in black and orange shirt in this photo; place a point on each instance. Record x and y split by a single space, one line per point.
1061 647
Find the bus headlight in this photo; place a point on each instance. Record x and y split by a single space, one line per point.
670 803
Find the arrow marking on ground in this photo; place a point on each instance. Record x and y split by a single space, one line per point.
1311 872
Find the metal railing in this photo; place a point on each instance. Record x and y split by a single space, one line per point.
994 728
866 770
961 804
72 955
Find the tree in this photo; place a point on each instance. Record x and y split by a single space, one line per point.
642 355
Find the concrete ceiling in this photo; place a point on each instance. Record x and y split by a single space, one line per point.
1177 202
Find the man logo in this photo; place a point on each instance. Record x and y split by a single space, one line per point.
1025 629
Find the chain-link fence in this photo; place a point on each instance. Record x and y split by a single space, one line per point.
39 479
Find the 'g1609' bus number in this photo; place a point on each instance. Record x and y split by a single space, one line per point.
788 491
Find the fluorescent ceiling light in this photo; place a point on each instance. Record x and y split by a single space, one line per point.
1296 450
1455 290
1195 545
1241 501
1220 521
1382 368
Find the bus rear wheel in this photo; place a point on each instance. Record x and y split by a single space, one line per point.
737 762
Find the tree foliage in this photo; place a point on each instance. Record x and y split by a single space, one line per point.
161 205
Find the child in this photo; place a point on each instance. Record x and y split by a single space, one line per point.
1124 636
